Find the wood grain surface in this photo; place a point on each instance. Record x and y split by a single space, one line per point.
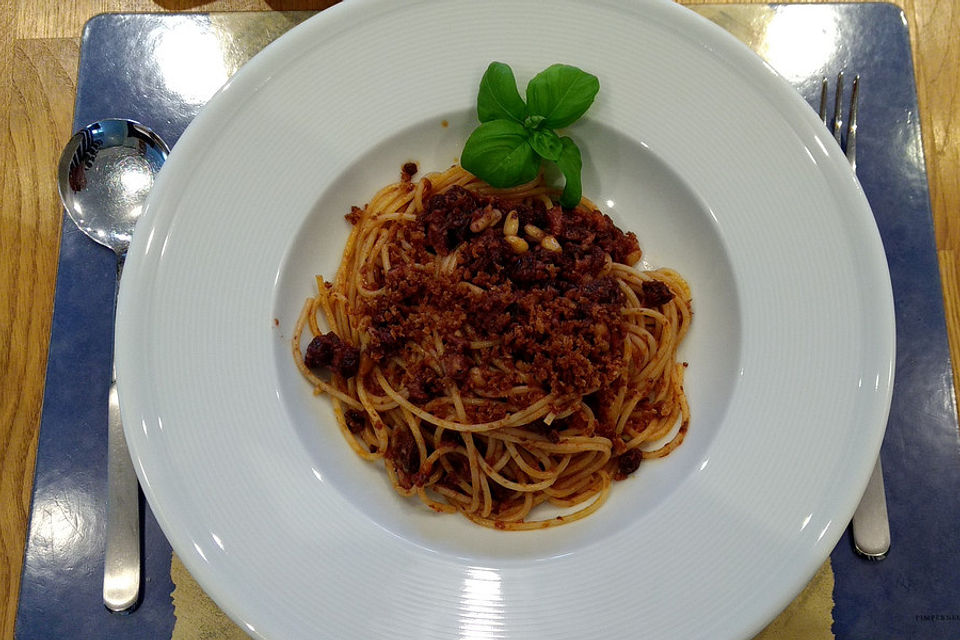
39 48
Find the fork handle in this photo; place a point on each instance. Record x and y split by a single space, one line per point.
871 528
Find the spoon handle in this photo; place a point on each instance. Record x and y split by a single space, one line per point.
121 571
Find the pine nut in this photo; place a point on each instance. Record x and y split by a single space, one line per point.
534 232
488 219
550 244
518 244
512 224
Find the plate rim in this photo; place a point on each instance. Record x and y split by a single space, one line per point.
252 73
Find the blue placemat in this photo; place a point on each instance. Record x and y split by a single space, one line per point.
915 591
161 68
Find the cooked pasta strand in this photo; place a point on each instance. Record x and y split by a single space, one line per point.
477 413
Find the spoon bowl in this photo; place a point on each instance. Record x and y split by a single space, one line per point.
106 171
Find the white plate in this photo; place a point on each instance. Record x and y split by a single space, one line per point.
713 160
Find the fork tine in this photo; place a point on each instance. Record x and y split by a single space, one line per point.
838 108
824 88
852 124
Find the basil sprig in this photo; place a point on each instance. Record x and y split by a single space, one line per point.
515 137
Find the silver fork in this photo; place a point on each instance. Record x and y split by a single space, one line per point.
871 527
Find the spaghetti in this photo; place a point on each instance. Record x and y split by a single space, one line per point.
496 351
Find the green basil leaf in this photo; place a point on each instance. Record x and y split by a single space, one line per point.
499 153
498 97
547 144
570 163
561 94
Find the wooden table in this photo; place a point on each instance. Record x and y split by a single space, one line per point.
40 42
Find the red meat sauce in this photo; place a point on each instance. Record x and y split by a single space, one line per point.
553 315
557 319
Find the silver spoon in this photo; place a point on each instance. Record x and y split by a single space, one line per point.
105 173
